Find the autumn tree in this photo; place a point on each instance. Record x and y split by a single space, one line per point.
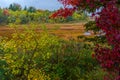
108 20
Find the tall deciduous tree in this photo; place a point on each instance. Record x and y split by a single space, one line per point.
31 9
15 7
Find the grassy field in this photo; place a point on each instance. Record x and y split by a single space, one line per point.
66 31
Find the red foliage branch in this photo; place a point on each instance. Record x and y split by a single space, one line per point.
108 21
63 12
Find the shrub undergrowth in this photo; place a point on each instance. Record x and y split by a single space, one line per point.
32 56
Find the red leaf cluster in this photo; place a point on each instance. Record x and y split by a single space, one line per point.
63 13
109 22
6 12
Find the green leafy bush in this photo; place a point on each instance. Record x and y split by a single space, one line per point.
32 56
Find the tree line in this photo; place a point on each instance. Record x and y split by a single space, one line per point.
18 15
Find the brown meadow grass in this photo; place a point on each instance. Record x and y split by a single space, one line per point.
65 31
